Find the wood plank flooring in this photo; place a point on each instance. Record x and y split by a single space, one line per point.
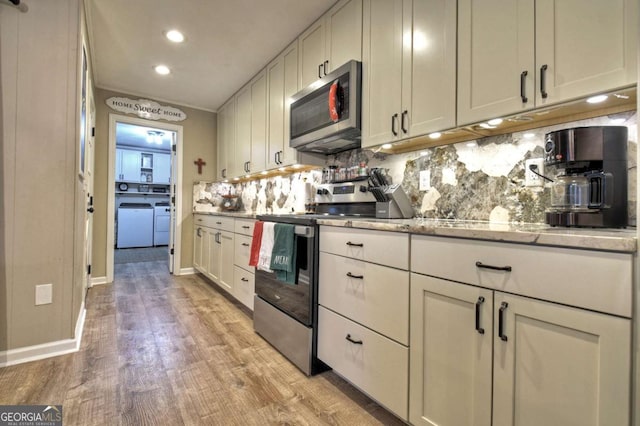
165 350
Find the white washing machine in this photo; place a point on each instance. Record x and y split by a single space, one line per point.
135 225
161 224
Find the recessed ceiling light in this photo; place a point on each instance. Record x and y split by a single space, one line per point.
162 69
435 135
175 36
495 121
387 146
597 99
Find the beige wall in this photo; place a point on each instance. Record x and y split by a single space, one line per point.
39 59
199 141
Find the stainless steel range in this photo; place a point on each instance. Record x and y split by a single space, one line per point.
286 315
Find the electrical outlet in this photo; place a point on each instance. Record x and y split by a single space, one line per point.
44 294
531 179
425 180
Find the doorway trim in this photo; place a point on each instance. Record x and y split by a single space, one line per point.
111 193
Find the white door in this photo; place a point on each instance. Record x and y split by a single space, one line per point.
450 353
173 163
88 185
130 165
162 168
558 365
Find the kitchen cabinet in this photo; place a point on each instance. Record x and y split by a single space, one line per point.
527 360
214 248
162 168
243 132
409 61
330 42
198 244
128 165
244 275
515 56
257 162
226 139
363 323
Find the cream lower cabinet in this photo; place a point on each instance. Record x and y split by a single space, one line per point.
482 356
243 274
363 321
198 241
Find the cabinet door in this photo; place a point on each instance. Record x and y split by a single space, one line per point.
311 44
243 286
131 165
162 168
558 365
243 132
429 72
214 253
198 239
450 359
586 46
275 137
381 71
289 155
495 46
226 243
226 139
258 123
343 34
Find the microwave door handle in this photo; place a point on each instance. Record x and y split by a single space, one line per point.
335 107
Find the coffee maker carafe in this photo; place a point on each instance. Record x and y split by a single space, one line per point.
590 187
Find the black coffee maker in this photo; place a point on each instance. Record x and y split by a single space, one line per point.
590 187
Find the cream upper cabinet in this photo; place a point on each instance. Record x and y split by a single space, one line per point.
226 139
243 132
331 41
451 348
282 82
518 55
585 47
409 68
257 160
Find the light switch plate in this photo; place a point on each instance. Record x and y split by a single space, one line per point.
425 180
44 294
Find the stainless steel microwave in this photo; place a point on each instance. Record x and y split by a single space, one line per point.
325 117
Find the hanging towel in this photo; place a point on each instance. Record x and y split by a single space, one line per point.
256 241
266 247
283 259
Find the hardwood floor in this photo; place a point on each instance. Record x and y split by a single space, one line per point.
167 350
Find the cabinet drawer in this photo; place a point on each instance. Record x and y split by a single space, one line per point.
242 251
243 286
218 222
385 248
379 300
378 366
596 280
244 226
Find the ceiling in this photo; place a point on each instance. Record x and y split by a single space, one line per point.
227 43
142 137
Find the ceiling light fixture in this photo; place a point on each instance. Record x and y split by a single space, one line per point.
495 121
597 99
162 69
154 136
387 146
174 36
435 135
529 135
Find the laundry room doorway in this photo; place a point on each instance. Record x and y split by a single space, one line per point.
143 204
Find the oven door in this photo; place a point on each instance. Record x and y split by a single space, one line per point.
296 300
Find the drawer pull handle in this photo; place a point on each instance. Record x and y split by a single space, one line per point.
218 223
350 275
245 227
349 243
244 279
479 303
355 342
245 244
495 268
503 307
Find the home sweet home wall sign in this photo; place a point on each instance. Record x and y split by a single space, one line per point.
145 108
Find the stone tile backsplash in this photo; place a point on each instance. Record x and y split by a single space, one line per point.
475 180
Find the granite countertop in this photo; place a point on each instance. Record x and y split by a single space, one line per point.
619 240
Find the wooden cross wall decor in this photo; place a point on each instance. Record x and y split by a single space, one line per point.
199 163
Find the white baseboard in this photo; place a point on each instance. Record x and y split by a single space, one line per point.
45 350
98 281
186 271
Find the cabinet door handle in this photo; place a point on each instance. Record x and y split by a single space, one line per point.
349 243
495 268
394 119
543 81
218 223
325 67
503 307
224 173
359 277
405 114
199 232
355 342
245 244
320 70
244 279
245 227
478 305
523 79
